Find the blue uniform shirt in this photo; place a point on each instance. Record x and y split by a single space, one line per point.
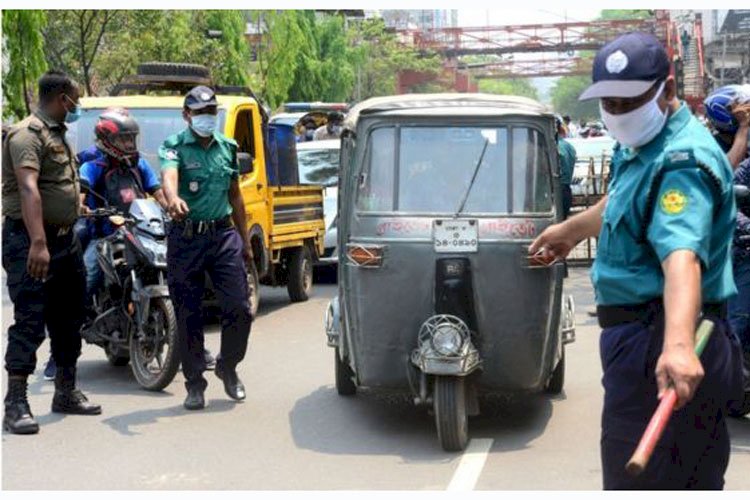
567 154
691 211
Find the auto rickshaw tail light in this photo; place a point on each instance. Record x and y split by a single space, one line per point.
365 255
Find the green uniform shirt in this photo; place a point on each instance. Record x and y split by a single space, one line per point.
692 210
38 143
567 161
204 174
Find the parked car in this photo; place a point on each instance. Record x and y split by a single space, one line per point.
319 165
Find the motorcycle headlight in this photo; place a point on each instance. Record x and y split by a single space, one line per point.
447 340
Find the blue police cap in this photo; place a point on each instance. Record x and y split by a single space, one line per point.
627 67
200 97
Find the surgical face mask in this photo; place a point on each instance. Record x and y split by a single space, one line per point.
72 116
638 127
203 125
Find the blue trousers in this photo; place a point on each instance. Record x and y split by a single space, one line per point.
218 253
694 450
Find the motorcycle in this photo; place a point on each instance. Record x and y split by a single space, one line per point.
134 319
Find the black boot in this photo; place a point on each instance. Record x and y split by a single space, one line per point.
18 418
67 398
232 384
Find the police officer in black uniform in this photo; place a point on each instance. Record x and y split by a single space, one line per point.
41 253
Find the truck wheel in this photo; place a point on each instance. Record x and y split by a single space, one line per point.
449 401
253 285
557 380
300 274
173 69
345 385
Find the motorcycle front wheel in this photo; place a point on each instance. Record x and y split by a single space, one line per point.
155 357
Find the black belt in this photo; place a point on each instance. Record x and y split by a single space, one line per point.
204 226
610 316
51 230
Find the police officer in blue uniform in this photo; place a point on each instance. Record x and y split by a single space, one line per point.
200 176
663 260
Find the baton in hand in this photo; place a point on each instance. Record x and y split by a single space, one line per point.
638 462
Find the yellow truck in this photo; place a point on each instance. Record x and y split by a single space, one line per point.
285 222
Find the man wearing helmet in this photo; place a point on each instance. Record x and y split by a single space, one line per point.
119 175
728 111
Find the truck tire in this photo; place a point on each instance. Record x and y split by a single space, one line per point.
253 285
300 268
173 69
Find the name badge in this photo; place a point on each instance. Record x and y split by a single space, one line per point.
194 186
193 166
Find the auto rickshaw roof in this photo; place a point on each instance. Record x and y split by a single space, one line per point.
440 104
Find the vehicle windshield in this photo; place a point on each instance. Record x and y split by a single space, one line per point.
428 170
155 124
318 166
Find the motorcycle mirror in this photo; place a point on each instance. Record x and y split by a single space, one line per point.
117 220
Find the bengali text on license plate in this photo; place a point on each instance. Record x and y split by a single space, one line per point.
455 235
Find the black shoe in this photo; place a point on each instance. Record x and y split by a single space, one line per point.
232 384
209 360
18 418
68 399
194 399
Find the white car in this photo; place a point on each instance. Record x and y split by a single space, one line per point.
319 164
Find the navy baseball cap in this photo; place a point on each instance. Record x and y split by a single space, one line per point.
200 97
627 67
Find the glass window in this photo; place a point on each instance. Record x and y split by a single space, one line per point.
435 166
318 166
155 124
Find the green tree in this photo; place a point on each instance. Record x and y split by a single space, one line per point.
23 50
515 86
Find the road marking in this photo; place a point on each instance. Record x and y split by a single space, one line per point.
470 467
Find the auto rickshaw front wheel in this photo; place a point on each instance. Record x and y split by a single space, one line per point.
557 380
451 419
345 385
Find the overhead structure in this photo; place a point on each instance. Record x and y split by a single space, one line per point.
528 68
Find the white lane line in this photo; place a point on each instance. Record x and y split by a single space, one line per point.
470 467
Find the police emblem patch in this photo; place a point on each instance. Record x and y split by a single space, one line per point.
616 62
673 202
193 186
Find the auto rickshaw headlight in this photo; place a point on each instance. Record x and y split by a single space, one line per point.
447 340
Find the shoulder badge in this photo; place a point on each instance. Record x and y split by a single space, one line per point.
170 154
673 202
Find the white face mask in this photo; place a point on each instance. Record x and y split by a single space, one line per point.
638 127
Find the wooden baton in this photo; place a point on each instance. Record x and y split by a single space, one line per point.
638 462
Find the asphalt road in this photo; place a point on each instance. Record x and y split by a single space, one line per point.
295 432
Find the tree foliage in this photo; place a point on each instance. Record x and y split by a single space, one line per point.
515 86
23 59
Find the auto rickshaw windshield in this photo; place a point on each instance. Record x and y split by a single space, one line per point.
429 170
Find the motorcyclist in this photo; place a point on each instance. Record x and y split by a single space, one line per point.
728 112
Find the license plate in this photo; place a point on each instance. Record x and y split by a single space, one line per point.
455 235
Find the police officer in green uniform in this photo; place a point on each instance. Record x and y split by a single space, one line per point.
663 260
201 184
41 253
567 155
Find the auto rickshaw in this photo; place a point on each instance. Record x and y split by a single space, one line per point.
440 196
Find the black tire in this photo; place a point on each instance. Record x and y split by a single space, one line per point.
345 385
173 69
557 380
451 419
300 274
116 357
253 285
161 332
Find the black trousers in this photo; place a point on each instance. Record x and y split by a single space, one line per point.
56 304
218 253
